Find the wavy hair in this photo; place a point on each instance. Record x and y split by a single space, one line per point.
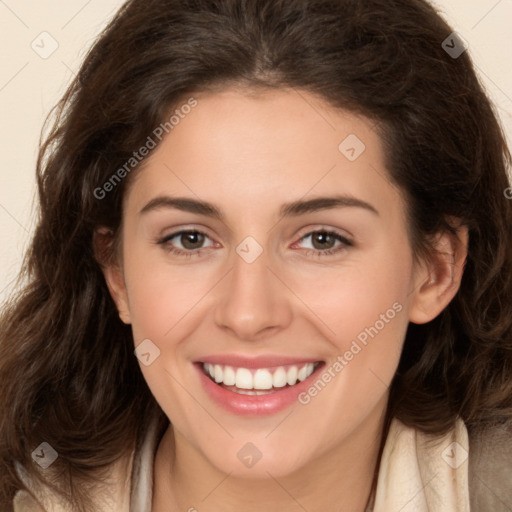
68 375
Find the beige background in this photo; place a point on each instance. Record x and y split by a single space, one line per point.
31 82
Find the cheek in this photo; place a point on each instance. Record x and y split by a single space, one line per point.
359 300
161 295
164 302
364 314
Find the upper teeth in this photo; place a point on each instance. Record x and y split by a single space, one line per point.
261 378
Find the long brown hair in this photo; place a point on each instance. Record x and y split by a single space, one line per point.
68 374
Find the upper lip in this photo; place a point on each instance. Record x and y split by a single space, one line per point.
263 361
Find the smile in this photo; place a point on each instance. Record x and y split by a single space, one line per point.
255 386
258 381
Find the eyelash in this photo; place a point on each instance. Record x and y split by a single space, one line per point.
314 252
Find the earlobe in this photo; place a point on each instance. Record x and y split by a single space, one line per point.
438 279
112 272
117 288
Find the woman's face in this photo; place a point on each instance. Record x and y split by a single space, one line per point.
254 293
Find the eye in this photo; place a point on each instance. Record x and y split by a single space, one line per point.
191 242
324 242
185 243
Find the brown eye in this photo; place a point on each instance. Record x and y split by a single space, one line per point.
325 243
191 239
323 240
186 242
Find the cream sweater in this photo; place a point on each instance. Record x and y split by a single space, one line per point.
418 473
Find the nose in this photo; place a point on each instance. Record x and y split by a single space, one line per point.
254 301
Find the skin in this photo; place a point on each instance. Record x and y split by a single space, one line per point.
248 154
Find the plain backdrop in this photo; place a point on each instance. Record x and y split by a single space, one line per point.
42 44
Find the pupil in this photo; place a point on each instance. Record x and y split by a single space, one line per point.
190 240
322 238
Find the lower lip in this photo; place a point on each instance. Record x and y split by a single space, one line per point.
254 405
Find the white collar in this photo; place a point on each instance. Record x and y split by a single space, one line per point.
423 473
417 473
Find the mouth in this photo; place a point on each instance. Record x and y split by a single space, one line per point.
258 381
256 386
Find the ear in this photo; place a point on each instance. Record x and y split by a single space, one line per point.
438 279
111 267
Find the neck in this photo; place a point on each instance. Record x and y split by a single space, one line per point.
341 479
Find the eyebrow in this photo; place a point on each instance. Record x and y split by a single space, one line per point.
293 209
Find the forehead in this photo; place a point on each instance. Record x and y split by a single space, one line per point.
251 150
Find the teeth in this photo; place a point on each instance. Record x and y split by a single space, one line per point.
292 375
243 379
251 392
305 372
261 379
229 376
279 378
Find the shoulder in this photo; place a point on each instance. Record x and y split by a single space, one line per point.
463 469
127 486
490 469
112 494
24 502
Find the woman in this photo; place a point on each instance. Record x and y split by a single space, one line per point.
272 270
